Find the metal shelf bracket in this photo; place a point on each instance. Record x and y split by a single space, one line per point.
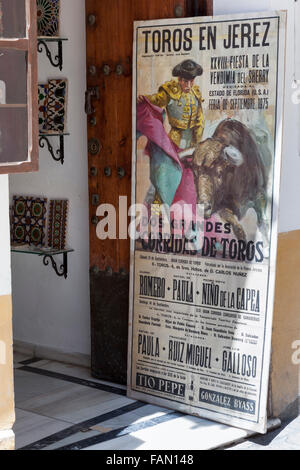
60 152
62 271
57 61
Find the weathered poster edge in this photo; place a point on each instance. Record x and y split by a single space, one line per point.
275 213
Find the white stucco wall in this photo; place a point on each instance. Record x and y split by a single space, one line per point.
289 212
47 310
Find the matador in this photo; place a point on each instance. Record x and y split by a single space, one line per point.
183 103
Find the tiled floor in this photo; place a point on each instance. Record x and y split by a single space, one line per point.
285 438
62 406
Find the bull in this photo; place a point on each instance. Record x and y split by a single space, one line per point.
230 176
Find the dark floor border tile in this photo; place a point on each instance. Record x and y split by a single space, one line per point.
30 361
81 427
76 380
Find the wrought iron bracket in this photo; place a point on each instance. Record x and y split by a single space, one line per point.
60 152
62 271
57 61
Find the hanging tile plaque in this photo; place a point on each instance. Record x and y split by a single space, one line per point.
57 223
43 107
57 100
28 220
48 17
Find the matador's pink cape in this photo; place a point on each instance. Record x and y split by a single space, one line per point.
172 179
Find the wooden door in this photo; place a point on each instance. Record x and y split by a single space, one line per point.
108 104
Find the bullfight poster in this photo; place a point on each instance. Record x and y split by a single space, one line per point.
207 130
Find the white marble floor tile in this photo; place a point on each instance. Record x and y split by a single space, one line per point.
30 427
74 403
184 433
293 425
74 371
189 432
28 385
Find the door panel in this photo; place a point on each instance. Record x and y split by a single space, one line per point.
109 68
109 43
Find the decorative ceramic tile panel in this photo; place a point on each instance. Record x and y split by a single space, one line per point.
29 220
57 225
57 103
43 107
38 209
48 17
19 213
